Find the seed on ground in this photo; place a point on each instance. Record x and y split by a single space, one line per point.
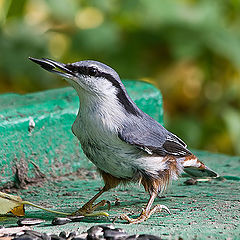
29 221
61 221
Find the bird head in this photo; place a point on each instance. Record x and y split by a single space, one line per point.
92 79
90 76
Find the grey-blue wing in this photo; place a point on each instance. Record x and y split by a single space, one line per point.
152 137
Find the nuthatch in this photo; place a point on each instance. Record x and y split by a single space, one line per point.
124 143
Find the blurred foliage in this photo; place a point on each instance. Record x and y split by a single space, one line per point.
190 49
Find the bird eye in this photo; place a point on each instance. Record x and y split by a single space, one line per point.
92 71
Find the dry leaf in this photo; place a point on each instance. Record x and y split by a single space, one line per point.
10 203
18 211
15 204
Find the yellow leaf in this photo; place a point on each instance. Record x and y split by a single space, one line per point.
18 211
15 204
11 203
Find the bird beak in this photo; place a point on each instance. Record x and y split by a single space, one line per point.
51 65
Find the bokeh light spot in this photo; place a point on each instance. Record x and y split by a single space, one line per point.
89 17
58 44
36 12
213 91
192 87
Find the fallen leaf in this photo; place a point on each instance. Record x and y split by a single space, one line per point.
10 203
15 205
19 211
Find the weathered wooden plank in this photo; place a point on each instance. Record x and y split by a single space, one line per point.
50 143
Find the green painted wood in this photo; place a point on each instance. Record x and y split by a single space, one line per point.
208 210
51 144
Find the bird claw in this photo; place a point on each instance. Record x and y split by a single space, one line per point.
126 217
159 208
144 214
88 209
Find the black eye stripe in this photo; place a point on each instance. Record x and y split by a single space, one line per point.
90 71
121 94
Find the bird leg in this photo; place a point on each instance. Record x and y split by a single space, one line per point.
88 207
147 212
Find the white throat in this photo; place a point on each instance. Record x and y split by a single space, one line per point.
99 113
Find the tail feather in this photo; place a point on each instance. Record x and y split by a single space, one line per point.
194 167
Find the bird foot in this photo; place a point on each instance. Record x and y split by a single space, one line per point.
144 214
89 208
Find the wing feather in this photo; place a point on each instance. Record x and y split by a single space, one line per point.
152 137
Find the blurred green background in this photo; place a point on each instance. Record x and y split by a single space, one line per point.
188 49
